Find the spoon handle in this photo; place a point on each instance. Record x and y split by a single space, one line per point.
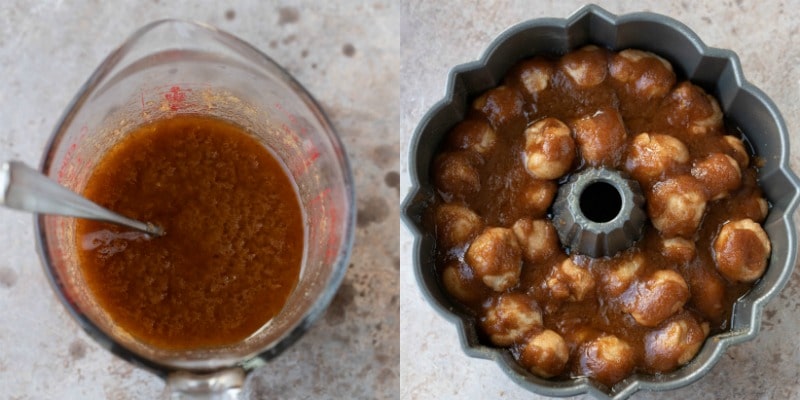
24 188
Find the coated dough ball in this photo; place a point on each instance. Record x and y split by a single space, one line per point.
708 293
511 318
459 282
587 66
546 354
737 150
496 258
643 74
690 108
456 174
622 272
502 106
763 209
569 281
674 343
456 225
651 155
676 206
607 359
601 137
537 196
657 298
578 335
475 135
755 207
741 250
719 174
678 250
534 75
538 239
549 149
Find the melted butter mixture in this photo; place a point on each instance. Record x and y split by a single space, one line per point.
233 247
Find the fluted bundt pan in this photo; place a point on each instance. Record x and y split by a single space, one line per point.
717 71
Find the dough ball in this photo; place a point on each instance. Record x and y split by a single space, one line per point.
690 108
587 67
622 272
568 281
674 343
456 175
755 207
708 293
475 135
459 282
741 250
678 250
538 239
607 359
536 197
676 206
510 318
601 138
719 174
642 74
456 225
657 298
502 106
549 149
533 75
651 155
737 150
496 258
546 354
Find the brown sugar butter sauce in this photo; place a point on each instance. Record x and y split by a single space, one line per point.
648 308
234 239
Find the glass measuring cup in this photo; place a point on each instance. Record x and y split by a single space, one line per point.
176 67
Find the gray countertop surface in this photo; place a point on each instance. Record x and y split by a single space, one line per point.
371 65
345 53
436 37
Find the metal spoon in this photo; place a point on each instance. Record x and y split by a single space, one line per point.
24 188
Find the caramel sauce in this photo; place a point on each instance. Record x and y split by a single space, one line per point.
233 247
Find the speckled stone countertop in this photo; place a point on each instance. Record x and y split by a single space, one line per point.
435 37
345 53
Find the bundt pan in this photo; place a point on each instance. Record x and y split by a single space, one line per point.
717 71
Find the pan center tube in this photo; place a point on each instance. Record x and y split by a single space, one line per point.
599 212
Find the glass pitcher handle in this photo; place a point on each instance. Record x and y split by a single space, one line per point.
221 385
